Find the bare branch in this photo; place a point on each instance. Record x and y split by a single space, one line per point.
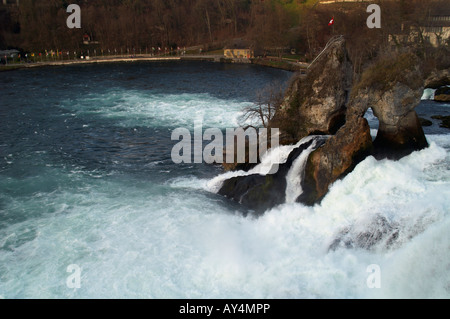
268 100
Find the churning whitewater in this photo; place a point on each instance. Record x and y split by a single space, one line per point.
86 179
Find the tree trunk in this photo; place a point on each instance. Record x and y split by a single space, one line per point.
208 22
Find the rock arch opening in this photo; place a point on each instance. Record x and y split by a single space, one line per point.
374 123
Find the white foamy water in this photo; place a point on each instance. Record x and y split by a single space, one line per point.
428 94
295 174
268 164
134 108
149 241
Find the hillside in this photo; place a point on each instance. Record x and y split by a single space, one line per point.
273 27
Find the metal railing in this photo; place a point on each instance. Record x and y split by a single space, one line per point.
329 43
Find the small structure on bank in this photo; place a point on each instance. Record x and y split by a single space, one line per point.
8 54
434 30
239 54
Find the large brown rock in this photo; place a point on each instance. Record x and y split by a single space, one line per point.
316 104
392 87
335 159
260 192
442 94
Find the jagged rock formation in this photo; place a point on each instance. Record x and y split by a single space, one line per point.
319 104
393 88
445 120
380 232
258 192
340 154
316 104
439 80
442 94
425 122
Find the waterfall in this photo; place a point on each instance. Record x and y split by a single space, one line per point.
297 170
276 155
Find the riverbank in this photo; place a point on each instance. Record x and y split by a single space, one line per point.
281 64
268 62
113 59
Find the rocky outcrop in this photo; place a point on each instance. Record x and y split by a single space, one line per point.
437 79
425 122
395 142
393 87
442 94
445 120
316 104
259 192
379 232
340 154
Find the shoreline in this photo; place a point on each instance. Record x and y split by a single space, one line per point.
283 65
11 67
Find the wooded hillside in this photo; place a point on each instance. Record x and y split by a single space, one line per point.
37 25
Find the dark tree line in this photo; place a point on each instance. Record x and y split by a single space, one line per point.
125 23
265 25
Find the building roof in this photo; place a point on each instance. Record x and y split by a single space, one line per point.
439 17
6 52
440 11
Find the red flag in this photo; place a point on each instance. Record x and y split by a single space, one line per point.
331 21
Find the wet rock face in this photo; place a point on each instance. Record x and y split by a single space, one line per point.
400 131
442 94
395 142
336 158
425 122
392 87
445 120
256 192
379 232
260 192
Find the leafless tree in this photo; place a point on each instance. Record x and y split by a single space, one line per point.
268 100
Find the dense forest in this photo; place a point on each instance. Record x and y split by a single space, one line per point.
265 25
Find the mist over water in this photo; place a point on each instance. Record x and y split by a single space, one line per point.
86 178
